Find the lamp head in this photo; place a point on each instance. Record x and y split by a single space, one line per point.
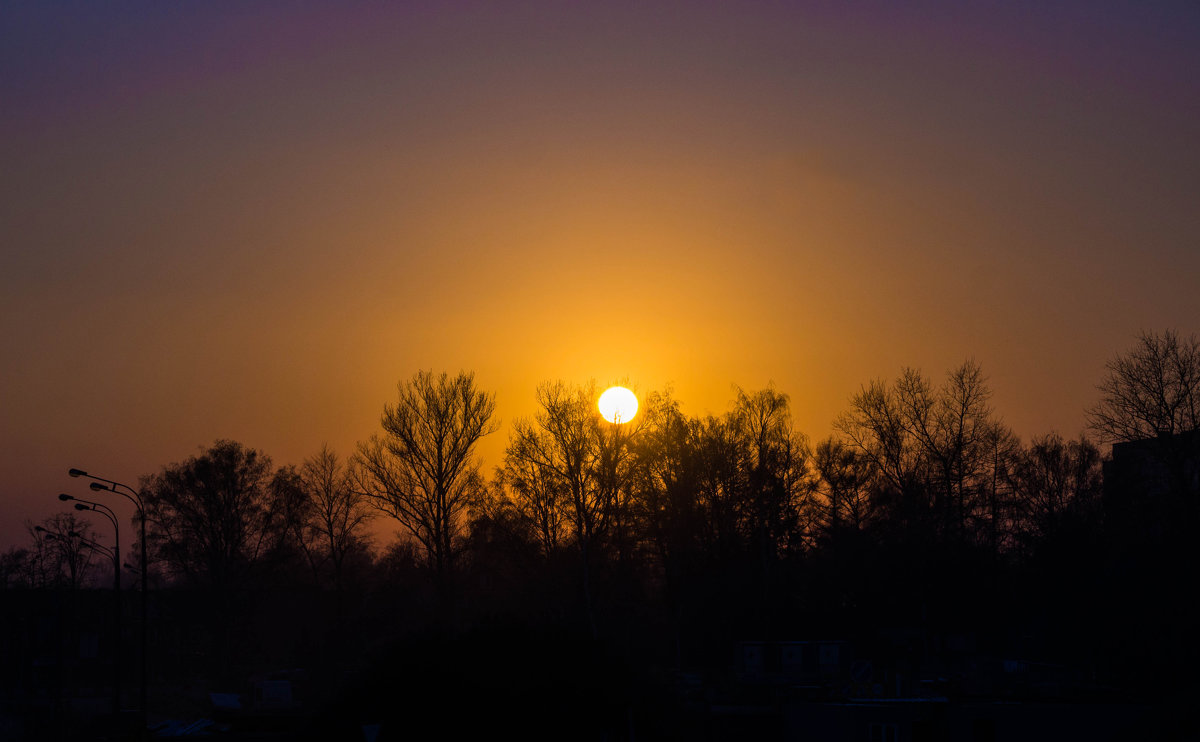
64 497
81 506
97 487
77 473
39 529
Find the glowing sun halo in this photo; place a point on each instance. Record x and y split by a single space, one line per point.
618 404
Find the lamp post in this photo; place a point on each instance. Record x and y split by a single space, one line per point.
100 484
98 548
98 507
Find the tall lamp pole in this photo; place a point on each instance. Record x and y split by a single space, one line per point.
100 484
98 507
111 553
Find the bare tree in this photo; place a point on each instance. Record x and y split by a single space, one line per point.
956 437
939 451
422 471
60 554
720 463
536 490
876 425
561 444
584 461
666 481
1054 477
998 514
1152 390
332 515
843 486
776 474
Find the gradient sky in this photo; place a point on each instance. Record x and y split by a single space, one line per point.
250 220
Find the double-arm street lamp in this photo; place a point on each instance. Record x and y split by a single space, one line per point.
107 551
107 512
99 548
114 555
100 484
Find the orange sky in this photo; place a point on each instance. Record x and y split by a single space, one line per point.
250 224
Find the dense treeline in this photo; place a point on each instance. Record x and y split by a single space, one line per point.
922 511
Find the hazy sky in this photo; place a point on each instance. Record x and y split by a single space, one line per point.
250 220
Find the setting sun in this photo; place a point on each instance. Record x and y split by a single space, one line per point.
618 405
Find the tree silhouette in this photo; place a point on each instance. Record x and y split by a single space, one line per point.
922 518
776 470
59 554
844 485
569 465
719 461
667 486
561 444
1152 393
1151 390
1055 481
422 471
952 426
997 509
213 518
875 425
537 491
332 514
940 453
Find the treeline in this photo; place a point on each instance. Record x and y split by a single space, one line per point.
910 461
923 509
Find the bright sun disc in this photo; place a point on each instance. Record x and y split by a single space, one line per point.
618 404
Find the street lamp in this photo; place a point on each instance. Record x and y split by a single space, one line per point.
107 512
98 548
129 493
113 555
